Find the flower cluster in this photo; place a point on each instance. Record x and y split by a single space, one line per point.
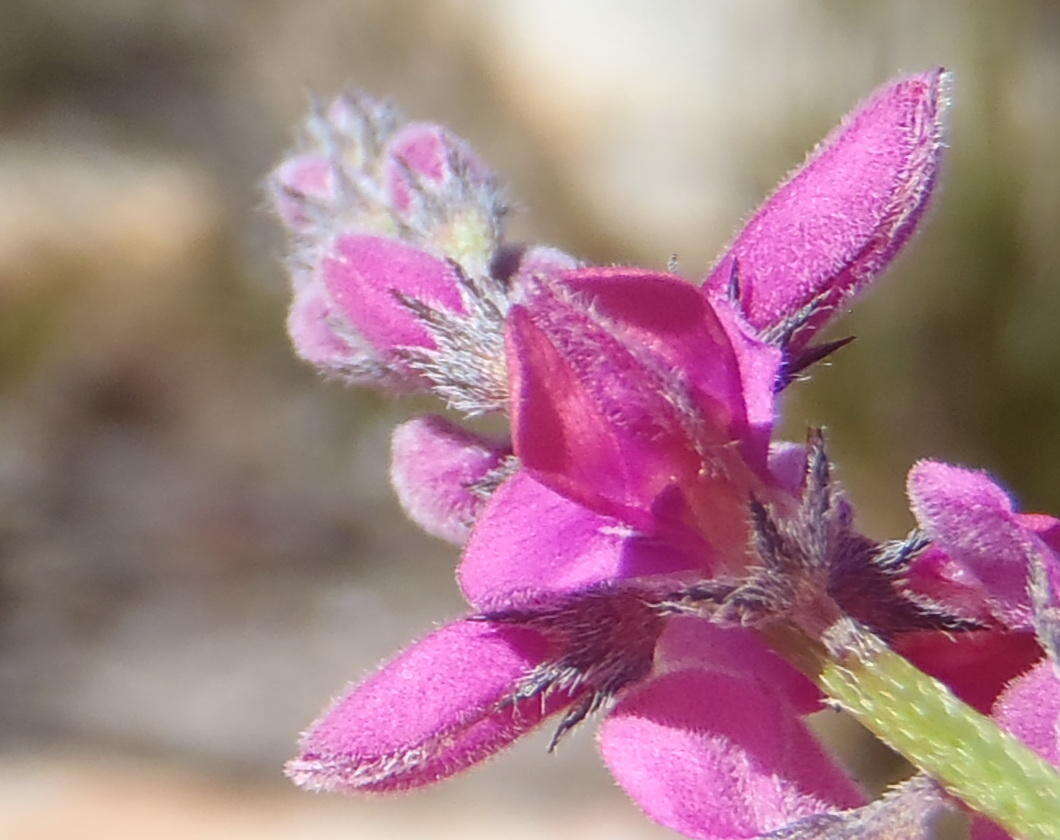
635 543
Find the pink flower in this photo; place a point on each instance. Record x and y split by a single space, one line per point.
985 550
635 483
993 563
711 744
978 564
401 277
641 411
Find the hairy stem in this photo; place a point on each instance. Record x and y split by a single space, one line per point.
976 761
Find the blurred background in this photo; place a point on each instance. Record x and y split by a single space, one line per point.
198 544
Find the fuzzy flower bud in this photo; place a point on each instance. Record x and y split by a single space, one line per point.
842 217
399 272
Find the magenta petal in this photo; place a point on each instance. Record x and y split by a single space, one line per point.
717 756
439 707
983 829
588 419
530 538
935 574
433 467
606 415
689 642
667 317
1045 581
1046 527
759 365
969 517
976 666
362 274
845 214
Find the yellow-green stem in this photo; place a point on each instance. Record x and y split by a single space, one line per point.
966 752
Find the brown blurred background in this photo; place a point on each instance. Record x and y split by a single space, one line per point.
198 544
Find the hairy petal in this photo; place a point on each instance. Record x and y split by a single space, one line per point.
330 185
841 218
438 470
397 227
717 756
667 316
1030 709
587 419
689 642
312 326
936 575
529 537
444 194
1045 526
609 410
1045 582
760 365
431 154
362 274
970 517
447 702
603 636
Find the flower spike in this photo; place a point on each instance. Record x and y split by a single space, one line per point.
640 549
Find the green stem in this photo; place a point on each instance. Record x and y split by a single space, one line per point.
966 752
